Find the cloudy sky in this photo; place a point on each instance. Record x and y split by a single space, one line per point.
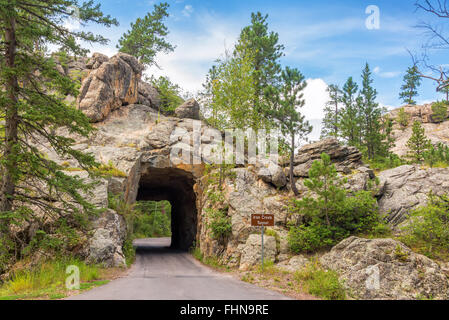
327 40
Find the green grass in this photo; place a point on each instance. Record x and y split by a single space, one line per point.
47 280
321 283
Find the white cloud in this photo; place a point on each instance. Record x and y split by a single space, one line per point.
316 96
188 10
387 74
195 52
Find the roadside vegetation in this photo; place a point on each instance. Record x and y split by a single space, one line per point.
47 280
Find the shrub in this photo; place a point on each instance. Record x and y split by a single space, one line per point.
321 283
403 118
169 94
220 224
437 156
439 110
333 214
427 228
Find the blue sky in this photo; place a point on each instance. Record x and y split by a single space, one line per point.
327 40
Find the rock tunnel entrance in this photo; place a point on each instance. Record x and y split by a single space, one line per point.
176 186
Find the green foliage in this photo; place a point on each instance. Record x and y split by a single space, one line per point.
349 115
147 36
370 115
331 120
412 81
437 156
219 224
288 99
234 92
144 219
439 111
331 214
47 279
154 220
231 92
108 170
385 163
263 48
33 104
321 283
403 118
418 143
427 228
170 94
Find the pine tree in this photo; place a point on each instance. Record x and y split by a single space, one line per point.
33 107
330 124
418 143
147 36
370 112
349 116
256 41
412 81
292 123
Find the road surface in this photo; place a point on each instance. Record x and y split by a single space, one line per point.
163 274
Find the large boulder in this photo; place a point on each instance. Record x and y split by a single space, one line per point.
252 251
112 84
343 157
407 187
105 245
189 109
385 269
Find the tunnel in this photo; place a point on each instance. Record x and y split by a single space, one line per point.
176 186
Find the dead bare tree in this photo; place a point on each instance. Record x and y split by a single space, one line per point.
437 39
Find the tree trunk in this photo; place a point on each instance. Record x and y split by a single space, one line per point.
8 182
292 157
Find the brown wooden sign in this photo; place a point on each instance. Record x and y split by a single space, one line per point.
262 220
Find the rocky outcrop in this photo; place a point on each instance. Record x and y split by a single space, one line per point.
294 264
113 83
385 269
407 187
345 158
189 109
436 132
251 251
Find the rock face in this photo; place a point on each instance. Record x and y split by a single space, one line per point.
189 109
386 269
407 187
251 253
436 132
345 158
144 147
110 84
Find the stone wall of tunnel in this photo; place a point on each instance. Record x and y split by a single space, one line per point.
177 186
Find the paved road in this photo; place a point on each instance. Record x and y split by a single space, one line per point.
163 274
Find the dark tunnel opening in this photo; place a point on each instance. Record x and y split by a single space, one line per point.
175 186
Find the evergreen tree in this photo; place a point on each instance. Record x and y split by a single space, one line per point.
349 116
418 143
147 36
33 107
256 41
370 112
289 98
331 125
412 81
439 111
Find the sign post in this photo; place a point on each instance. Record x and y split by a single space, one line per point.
262 220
